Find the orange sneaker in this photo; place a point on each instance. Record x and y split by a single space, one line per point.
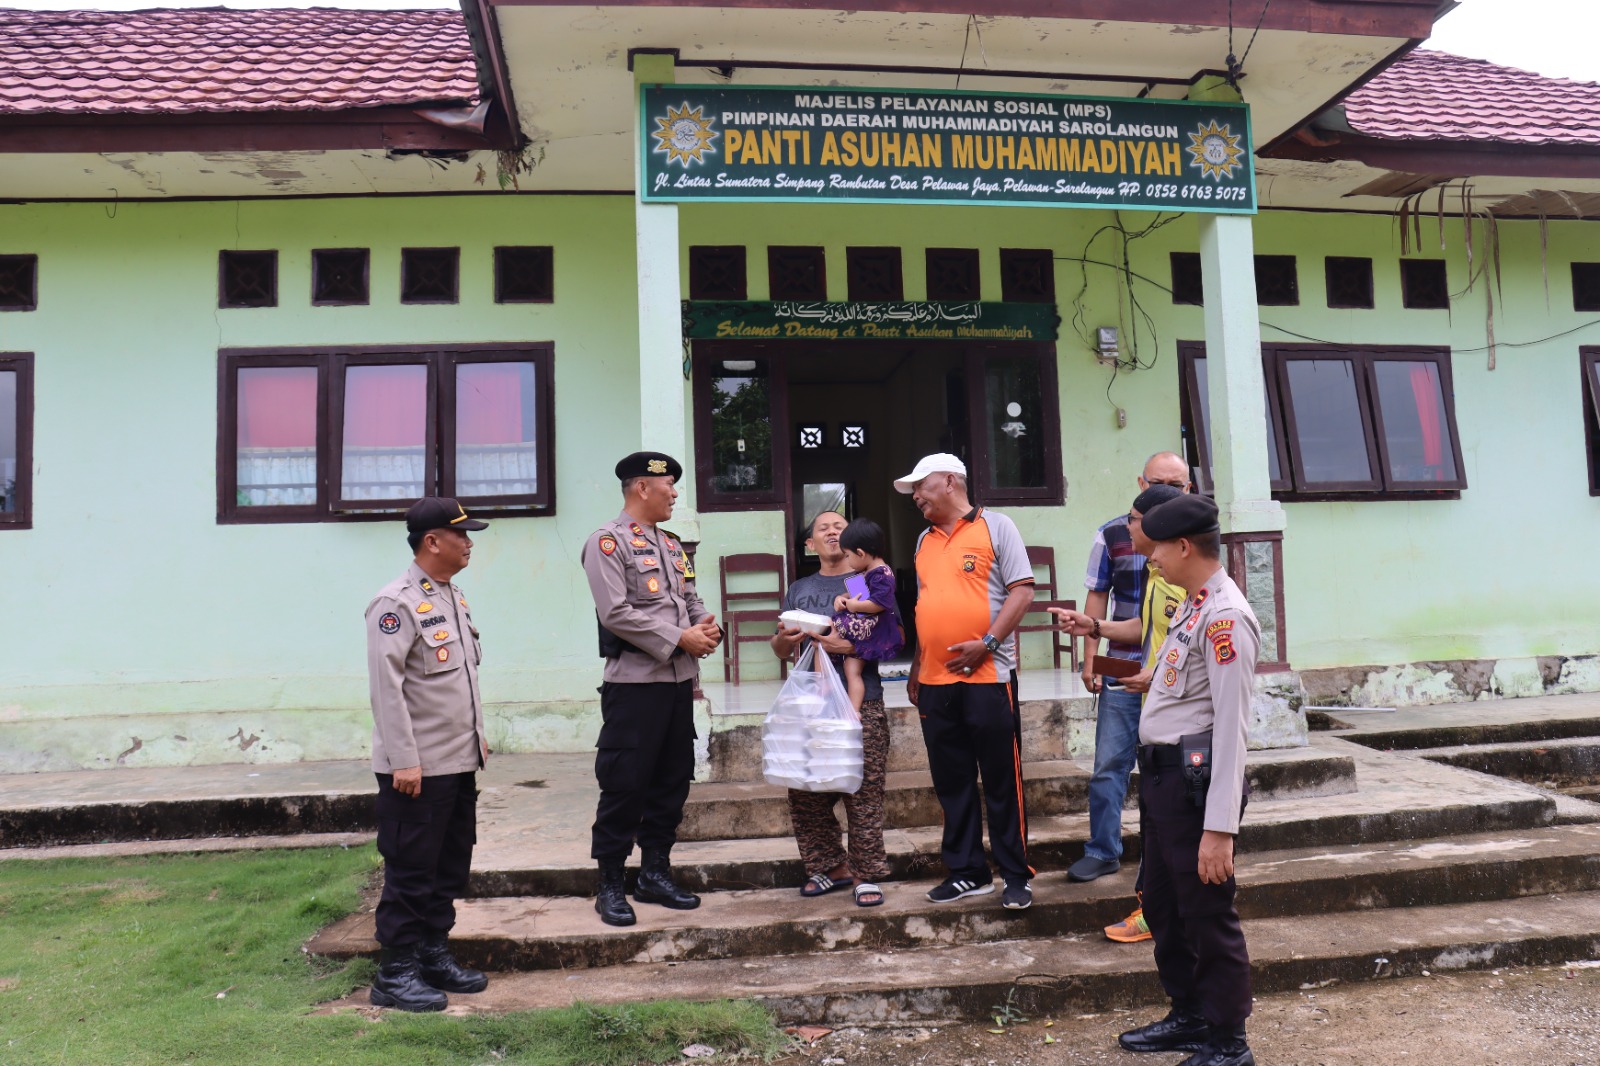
1130 930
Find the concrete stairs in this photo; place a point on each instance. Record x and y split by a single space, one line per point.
1356 862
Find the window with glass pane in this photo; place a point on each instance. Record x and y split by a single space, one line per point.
741 426
8 441
497 439
384 448
1591 414
1202 395
1328 429
276 440
1014 422
1415 425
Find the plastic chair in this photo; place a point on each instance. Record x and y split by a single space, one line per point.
741 626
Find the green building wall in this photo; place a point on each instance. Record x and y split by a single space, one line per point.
149 634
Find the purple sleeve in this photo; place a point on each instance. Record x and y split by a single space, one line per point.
880 587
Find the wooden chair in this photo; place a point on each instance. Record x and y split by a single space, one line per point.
1039 620
1043 558
744 626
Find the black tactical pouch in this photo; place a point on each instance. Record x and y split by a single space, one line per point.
1196 752
611 645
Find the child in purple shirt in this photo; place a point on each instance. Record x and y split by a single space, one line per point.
866 615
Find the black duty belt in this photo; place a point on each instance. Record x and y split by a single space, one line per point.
1160 756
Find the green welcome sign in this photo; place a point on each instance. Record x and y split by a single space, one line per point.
927 146
860 320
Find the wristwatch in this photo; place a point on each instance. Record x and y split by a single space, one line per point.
991 642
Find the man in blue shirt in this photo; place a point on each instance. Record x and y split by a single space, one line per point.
1115 579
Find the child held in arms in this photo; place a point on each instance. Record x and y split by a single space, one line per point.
866 615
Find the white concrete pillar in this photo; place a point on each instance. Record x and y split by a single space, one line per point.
663 393
1239 471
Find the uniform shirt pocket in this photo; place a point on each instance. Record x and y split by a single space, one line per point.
443 649
1172 669
652 579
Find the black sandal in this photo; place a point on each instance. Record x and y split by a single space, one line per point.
822 884
867 888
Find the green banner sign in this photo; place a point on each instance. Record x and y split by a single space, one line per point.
862 321
929 146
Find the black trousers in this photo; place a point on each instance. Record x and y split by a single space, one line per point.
1199 944
644 765
970 730
426 843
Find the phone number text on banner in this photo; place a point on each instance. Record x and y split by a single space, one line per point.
926 146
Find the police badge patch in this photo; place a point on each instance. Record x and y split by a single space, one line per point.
1170 678
607 545
389 623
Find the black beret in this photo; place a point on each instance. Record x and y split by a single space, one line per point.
1184 516
439 512
649 464
1155 495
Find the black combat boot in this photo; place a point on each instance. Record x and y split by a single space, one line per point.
612 901
1180 1030
442 971
655 883
1226 1047
399 983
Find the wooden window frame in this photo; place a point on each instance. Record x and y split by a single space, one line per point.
1585 283
1333 263
270 300
503 254
700 286
1015 261
1589 365
439 461
366 276
817 258
1052 492
344 361
29 261
937 260
412 259
1288 263
855 261
21 363
1292 488
1411 284
706 353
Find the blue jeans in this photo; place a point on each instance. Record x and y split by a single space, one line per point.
1116 745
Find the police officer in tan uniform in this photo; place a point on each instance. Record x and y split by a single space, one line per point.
427 745
653 633
1192 790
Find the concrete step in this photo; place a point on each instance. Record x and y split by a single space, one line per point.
1399 798
1566 764
1078 972
743 810
564 933
1400 735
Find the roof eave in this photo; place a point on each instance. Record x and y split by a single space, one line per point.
379 128
1477 158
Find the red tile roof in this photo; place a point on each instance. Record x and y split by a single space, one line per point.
1435 96
212 59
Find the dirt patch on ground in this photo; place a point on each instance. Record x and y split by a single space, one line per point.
1538 1017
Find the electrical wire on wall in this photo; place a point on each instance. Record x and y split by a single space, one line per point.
1129 309
1132 275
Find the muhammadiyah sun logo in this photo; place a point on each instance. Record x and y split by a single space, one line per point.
1216 151
685 135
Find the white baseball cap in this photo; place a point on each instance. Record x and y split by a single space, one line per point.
937 463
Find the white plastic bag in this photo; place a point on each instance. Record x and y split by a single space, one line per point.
811 739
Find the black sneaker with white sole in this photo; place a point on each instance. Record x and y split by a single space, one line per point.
1018 896
953 888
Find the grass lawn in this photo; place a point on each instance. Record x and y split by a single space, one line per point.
196 959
